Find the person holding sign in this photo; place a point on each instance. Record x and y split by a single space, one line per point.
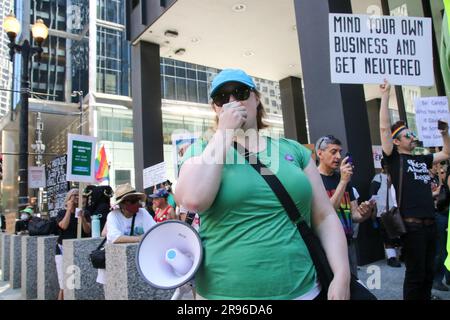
67 222
253 250
417 206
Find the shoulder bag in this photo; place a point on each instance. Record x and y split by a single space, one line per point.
316 251
391 218
98 256
443 199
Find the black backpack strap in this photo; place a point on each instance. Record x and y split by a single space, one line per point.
102 243
132 225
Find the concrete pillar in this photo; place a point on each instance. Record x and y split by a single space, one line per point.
147 114
123 281
293 108
6 249
15 263
47 278
29 267
79 275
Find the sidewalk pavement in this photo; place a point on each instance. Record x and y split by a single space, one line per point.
389 287
6 293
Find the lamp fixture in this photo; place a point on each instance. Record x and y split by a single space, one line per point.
239 7
171 33
11 26
39 31
180 52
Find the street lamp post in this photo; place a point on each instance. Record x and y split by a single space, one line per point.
40 32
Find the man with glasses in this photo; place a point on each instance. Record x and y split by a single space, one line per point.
336 174
417 206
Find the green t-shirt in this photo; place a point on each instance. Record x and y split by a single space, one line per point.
251 248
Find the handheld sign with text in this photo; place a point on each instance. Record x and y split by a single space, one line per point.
36 177
57 185
369 49
155 175
428 113
81 158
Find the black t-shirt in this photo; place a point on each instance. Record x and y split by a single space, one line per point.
417 198
344 212
70 232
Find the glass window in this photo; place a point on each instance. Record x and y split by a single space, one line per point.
202 92
181 89
191 74
180 72
170 71
201 76
192 91
169 85
180 64
122 176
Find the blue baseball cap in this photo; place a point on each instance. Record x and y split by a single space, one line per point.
231 75
160 193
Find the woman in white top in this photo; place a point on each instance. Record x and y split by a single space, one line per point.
120 220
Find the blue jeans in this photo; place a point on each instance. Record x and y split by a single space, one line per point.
419 248
441 248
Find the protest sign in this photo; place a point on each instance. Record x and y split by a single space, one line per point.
154 175
369 49
36 177
428 112
81 158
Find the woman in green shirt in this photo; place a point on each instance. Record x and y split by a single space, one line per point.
251 248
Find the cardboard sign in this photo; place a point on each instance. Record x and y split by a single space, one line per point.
428 112
36 177
369 49
81 158
155 175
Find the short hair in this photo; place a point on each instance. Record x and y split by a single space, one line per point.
324 141
70 193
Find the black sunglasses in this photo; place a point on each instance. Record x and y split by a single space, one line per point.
240 93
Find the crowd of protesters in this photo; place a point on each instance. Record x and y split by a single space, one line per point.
246 230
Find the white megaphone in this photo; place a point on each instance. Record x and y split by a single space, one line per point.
169 254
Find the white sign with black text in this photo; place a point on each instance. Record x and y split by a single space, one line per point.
370 48
155 175
428 112
36 177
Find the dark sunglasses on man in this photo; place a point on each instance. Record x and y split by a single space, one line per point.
240 93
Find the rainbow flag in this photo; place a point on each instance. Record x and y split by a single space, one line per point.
101 165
